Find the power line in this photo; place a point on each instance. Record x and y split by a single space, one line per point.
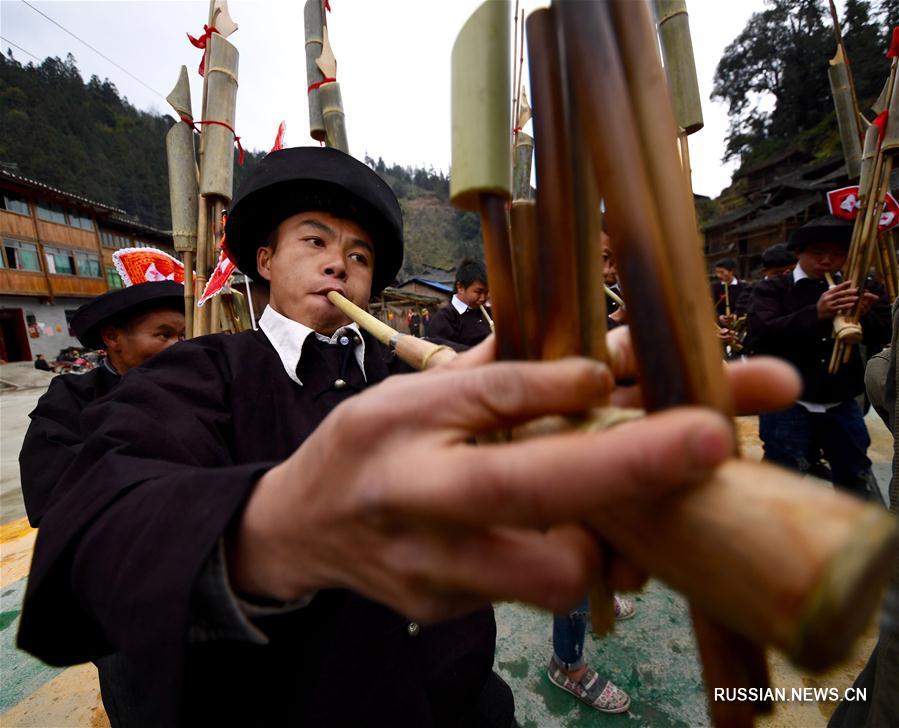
99 53
9 42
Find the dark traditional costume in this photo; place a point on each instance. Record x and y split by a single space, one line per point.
458 323
54 436
783 322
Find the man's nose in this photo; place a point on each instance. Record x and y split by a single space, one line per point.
336 268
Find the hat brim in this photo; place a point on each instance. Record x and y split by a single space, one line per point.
810 234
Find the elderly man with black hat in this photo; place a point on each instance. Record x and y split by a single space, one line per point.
131 325
791 316
260 543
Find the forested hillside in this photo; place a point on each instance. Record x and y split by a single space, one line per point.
773 76
85 138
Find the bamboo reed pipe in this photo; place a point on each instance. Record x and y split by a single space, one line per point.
527 274
203 233
482 166
314 26
556 223
488 319
891 270
333 116
417 353
680 65
495 227
847 120
189 300
614 296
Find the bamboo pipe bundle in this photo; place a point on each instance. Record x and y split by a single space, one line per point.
864 246
313 20
417 353
677 258
717 543
481 178
619 151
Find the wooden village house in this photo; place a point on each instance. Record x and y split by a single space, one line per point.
56 253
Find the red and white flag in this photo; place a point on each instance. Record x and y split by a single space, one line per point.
844 203
223 270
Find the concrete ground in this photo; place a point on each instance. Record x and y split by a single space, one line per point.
652 656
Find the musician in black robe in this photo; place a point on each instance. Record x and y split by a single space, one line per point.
257 544
131 325
726 291
462 320
791 317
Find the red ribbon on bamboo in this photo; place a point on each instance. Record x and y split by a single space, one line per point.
893 52
193 125
881 123
202 42
317 84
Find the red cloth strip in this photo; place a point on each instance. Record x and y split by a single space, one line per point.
240 149
893 52
320 83
881 123
327 6
279 137
201 42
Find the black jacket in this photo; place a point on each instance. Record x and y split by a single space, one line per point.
54 436
783 322
469 328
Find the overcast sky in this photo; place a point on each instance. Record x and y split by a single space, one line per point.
393 65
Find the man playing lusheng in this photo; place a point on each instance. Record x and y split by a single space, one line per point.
791 316
462 321
131 325
260 546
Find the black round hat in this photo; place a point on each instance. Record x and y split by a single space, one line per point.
90 318
293 180
826 229
777 256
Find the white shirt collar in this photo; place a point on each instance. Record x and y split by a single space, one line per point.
459 304
798 273
288 337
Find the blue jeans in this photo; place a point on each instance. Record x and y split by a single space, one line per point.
569 631
791 436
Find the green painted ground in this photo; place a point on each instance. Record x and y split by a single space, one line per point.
20 674
652 656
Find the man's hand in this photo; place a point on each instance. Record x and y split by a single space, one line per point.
389 498
838 300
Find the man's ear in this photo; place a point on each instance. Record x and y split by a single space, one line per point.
112 338
264 262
